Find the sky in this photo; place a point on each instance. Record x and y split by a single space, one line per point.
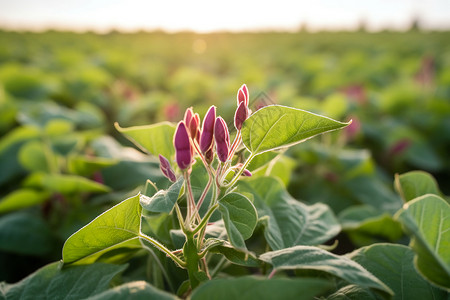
232 15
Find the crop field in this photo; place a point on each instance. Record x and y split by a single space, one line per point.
325 176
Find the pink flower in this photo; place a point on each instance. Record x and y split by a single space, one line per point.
222 138
166 169
240 116
183 147
242 95
207 133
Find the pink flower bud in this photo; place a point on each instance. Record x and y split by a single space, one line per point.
240 116
166 169
194 126
222 137
188 116
242 95
207 134
183 148
246 173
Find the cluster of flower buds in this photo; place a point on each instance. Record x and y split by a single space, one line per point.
212 138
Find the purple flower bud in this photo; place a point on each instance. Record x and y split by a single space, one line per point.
222 137
183 148
242 95
240 116
194 126
207 134
166 169
188 116
246 173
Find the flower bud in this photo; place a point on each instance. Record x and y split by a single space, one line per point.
242 95
166 169
240 116
188 116
194 126
207 134
183 148
246 173
222 138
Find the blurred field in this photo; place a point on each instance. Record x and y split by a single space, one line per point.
61 92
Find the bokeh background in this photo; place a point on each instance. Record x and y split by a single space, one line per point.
70 69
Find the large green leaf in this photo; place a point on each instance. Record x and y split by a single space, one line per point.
52 282
117 228
366 225
288 221
64 184
26 234
393 264
313 258
136 290
274 126
86 166
426 219
155 139
414 184
35 157
243 258
353 292
256 288
163 200
239 216
22 198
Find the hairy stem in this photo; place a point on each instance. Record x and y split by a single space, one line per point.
162 248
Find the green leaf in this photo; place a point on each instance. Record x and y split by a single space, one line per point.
52 282
240 218
288 221
163 200
426 219
117 228
237 257
393 264
274 126
22 198
313 258
35 156
64 184
136 290
26 234
414 184
86 166
353 292
256 288
367 225
155 139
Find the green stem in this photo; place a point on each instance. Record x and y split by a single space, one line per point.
192 258
163 248
239 173
205 218
218 267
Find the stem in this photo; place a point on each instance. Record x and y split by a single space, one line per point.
205 191
161 247
205 218
192 208
192 260
239 173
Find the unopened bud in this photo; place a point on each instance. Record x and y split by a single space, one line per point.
166 169
194 126
246 173
183 148
240 116
188 116
222 138
207 134
242 95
